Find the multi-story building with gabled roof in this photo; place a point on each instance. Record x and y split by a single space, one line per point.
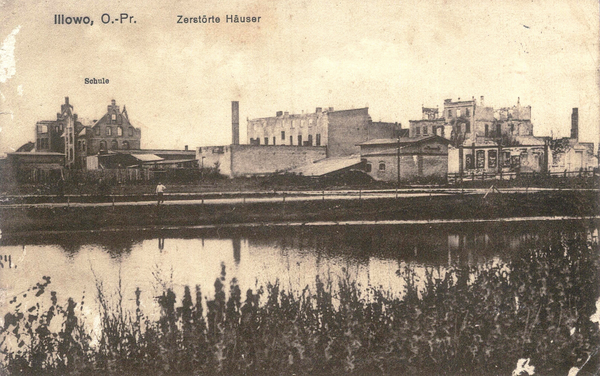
69 136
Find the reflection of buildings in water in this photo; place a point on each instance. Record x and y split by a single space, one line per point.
431 244
469 243
115 244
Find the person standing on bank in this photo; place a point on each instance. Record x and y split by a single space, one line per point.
160 189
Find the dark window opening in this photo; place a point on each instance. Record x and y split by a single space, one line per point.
266 140
291 140
318 140
469 161
299 140
310 140
468 127
381 166
274 140
283 135
480 158
368 167
492 159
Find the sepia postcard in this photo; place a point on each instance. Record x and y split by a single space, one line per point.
300 187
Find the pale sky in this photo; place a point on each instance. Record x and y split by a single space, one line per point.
178 80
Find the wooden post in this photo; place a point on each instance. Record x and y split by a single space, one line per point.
398 166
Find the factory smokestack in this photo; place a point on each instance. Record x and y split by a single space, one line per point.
235 123
575 124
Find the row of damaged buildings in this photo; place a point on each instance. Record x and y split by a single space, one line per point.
467 138
464 138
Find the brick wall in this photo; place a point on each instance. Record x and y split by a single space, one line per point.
347 129
411 166
259 160
243 160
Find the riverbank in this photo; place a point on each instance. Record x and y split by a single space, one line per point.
467 319
243 210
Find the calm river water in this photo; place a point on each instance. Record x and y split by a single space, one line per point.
371 254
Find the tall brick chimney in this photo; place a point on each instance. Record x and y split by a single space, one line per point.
235 123
575 124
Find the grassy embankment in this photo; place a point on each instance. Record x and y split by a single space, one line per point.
555 203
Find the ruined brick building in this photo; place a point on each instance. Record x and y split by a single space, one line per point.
340 131
470 120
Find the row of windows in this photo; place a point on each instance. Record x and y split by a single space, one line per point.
369 167
43 143
425 130
114 145
467 128
458 112
294 123
492 159
109 131
43 129
309 142
116 119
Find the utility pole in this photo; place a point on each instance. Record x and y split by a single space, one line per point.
398 155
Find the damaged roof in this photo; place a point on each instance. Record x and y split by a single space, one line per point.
327 166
